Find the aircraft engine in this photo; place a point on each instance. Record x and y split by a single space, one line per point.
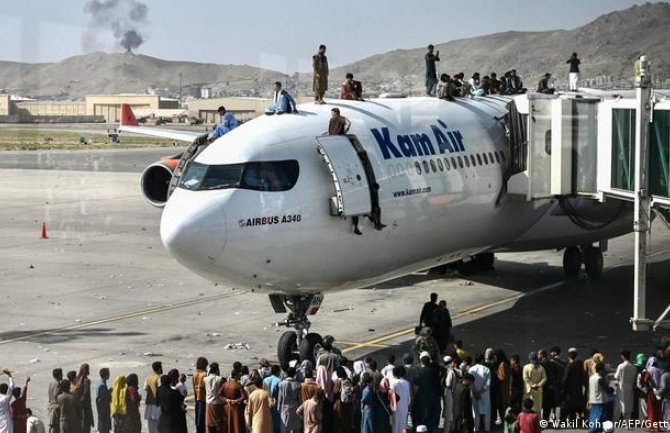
155 180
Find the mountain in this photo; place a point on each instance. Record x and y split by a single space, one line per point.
101 73
607 47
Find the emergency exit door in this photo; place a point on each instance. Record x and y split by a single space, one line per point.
352 189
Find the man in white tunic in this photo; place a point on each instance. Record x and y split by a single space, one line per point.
481 401
6 425
402 389
451 378
626 375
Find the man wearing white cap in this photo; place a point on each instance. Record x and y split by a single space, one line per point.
450 380
426 409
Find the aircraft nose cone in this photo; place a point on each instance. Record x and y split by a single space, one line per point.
194 230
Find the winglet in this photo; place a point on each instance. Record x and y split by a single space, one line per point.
127 116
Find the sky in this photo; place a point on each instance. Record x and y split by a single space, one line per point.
277 35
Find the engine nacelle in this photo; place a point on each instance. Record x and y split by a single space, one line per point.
155 181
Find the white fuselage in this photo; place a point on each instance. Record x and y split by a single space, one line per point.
288 241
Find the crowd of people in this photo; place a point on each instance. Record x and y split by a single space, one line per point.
448 87
447 390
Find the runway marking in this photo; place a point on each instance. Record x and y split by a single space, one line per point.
478 309
379 346
82 325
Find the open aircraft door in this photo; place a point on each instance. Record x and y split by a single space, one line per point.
352 188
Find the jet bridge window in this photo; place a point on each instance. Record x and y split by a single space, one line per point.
259 176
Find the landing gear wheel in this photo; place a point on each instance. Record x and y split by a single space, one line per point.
572 262
467 268
485 261
287 349
593 262
308 347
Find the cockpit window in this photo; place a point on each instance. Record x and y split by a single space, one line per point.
258 176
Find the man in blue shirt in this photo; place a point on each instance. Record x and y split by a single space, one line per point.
228 123
283 102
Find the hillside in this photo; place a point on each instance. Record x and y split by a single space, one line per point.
101 73
607 47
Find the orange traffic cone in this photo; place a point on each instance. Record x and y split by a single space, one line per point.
44 231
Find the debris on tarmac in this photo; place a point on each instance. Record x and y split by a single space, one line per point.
467 283
151 355
237 346
34 360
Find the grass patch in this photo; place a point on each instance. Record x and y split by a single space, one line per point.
65 140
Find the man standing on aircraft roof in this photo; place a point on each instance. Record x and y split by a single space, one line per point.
320 70
574 71
431 72
351 90
283 102
228 123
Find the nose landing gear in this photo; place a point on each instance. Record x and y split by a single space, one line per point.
299 344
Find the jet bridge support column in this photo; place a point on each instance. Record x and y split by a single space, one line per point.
642 215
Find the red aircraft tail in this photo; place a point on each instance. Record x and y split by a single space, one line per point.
127 116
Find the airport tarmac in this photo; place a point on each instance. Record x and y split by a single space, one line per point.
103 290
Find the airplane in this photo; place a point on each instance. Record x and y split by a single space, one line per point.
271 205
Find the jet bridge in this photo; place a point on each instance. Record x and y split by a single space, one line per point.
600 147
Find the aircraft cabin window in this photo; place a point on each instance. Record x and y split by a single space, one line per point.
426 168
497 157
439 164
401 170
446 164
391 170
433 166
418 167
502 156
467 161
260 176
410 172
453 163
491 158
486 160
474 162
479 159
460 162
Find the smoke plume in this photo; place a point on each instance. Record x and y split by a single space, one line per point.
122 17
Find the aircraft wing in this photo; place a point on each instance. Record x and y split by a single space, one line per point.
128 123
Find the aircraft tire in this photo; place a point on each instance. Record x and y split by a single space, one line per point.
308 347
572 262
485 261
287 348
467 268
593 262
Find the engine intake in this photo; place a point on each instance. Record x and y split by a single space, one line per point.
155 181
